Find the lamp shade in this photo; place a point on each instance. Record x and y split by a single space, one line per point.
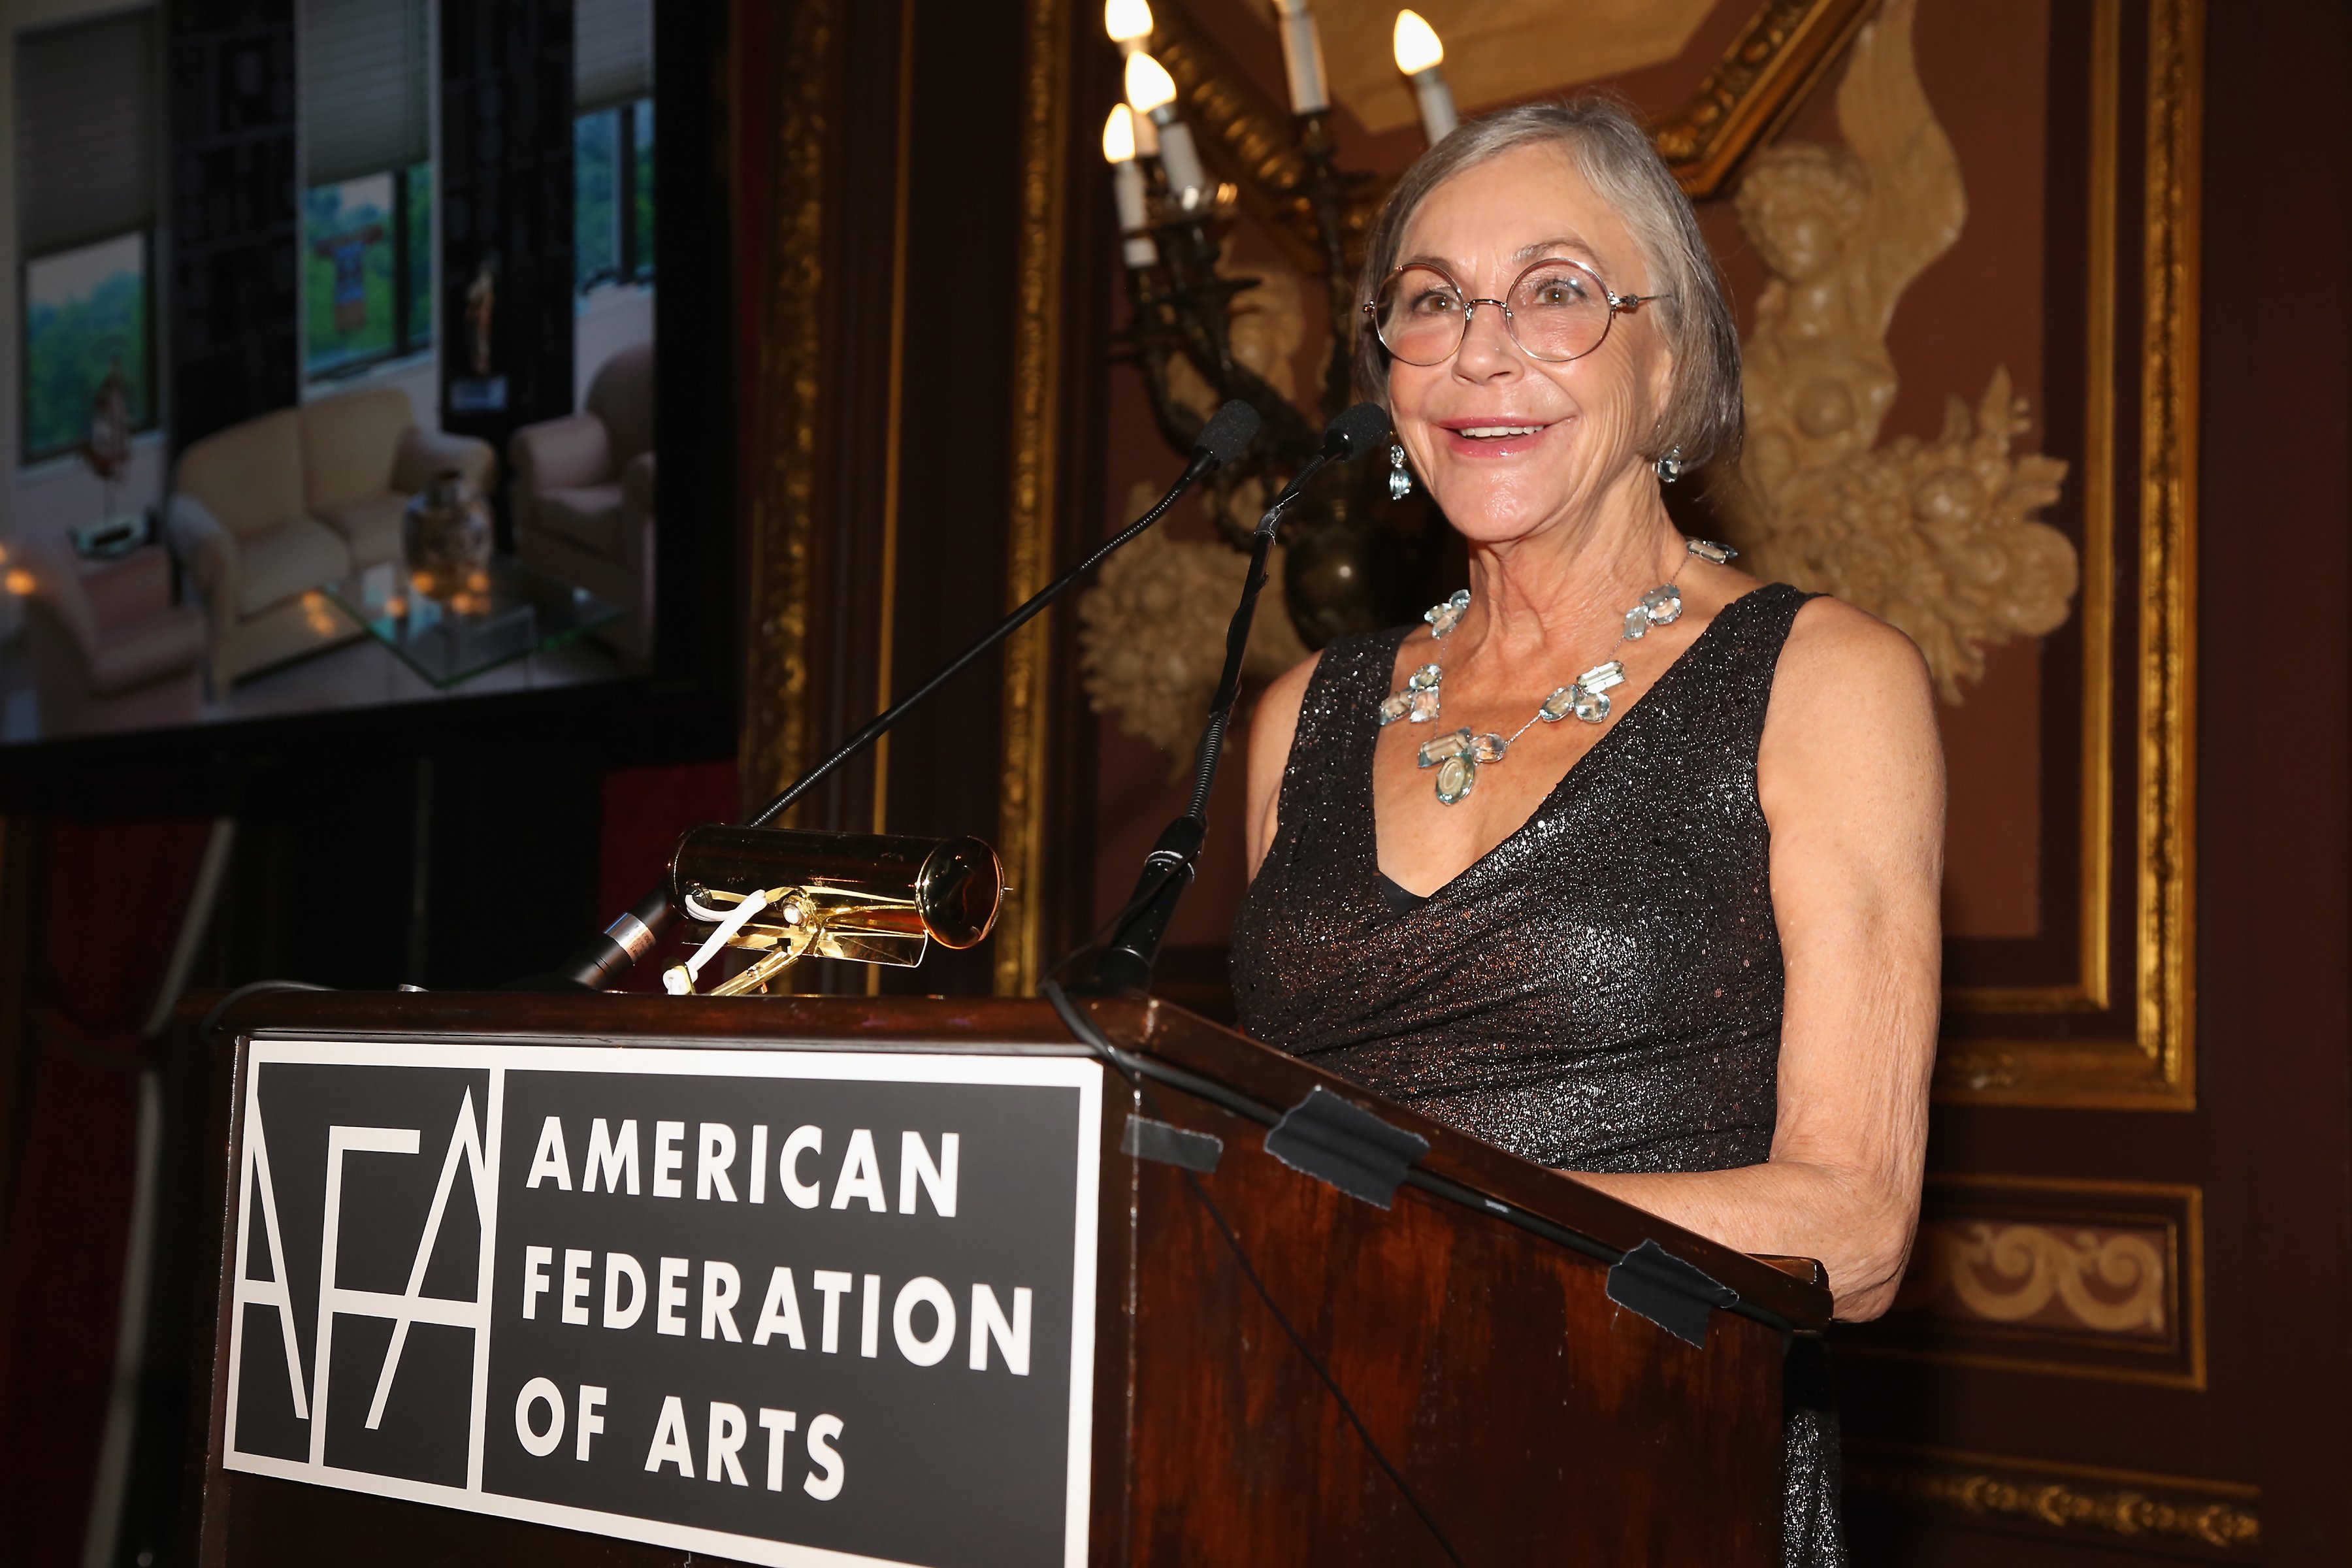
1126 19
1417 44
1118 135
1149 85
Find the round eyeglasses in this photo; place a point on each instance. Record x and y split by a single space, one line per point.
1557 310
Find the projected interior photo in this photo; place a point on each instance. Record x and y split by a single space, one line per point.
333 359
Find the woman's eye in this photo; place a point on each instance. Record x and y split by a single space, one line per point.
1558 290
1435 302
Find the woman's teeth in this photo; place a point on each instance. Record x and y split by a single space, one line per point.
1491 432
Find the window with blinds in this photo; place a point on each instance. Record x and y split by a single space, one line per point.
612 52
613 143
86 132
365 91
84 143
367 146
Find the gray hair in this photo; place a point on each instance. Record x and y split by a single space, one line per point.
1703 415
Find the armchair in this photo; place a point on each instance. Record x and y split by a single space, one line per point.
583 496
110 650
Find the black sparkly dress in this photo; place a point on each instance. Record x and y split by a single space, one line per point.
1603 992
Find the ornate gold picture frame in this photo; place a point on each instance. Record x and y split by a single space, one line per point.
2115 1029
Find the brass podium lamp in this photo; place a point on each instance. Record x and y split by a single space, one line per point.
868 897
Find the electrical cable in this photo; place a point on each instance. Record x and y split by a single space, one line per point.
251 987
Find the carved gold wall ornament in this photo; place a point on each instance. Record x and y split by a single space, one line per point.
1936 537
2211 1513
1761 78
1152 634
2095 1277
2072 1278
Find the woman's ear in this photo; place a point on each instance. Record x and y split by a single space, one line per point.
1661 385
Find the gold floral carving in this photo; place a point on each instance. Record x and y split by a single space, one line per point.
775 738
2103 1278
1158 684
2066 1497
1936 537
1029 538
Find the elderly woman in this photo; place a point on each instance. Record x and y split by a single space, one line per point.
1626 862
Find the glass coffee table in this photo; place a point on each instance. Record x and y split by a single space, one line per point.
458 632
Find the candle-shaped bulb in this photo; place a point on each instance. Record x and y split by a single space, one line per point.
1418 55
1127 186
1418 47
1127 20
1118 136
1149 85
1302 60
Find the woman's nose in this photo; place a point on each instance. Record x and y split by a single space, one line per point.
1487 348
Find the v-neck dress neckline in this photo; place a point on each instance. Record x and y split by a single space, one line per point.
1662 688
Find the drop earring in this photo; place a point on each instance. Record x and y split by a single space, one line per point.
1669 466
1400 477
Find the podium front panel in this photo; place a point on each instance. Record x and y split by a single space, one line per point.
785 1306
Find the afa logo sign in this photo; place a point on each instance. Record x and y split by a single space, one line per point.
790 1306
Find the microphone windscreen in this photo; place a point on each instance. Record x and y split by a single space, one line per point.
1227 435
1356 432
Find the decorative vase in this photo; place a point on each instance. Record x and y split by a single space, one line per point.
446 536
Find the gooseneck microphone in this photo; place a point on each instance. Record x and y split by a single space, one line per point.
1126 964
633 935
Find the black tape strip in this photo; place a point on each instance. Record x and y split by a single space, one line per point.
1336 1140
1676 1295
1171 1145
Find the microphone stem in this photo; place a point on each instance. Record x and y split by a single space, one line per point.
1030 609
634 933
1126 966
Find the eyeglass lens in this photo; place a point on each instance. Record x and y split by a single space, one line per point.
1557 310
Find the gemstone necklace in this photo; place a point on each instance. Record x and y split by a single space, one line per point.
1458 757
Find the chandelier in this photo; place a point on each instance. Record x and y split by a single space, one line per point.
1358 552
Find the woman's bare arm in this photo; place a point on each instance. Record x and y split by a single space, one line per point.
1852 780
1271 729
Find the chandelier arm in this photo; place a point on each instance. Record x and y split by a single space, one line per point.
1326 199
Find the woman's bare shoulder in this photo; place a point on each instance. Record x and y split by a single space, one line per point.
1837 653
1851 730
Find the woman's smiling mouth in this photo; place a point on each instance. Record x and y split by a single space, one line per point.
1490 437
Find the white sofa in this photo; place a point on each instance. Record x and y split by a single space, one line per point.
266 513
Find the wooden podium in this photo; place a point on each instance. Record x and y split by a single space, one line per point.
1470 1327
